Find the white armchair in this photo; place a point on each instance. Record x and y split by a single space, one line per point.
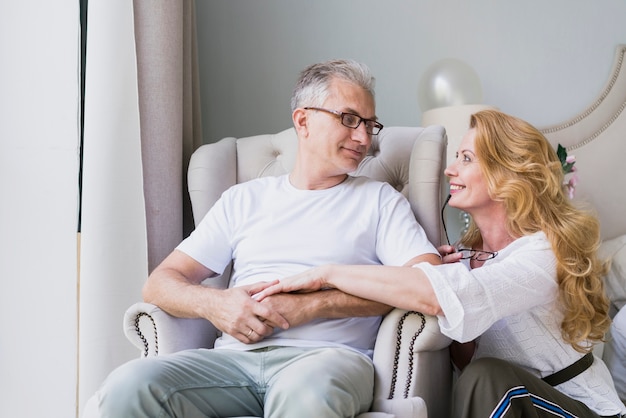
413 373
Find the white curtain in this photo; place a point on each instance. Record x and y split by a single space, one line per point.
113 254
142 122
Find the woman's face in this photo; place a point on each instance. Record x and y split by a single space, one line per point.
468 188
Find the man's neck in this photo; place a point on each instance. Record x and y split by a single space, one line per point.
311 182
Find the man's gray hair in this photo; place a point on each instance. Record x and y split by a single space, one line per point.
312 86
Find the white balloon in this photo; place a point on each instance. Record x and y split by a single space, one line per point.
449 82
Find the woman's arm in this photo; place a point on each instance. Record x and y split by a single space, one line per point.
401 287
302 307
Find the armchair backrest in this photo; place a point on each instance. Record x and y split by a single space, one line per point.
411 159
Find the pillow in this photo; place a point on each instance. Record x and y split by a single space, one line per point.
615 280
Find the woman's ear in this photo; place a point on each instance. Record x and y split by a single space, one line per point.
300 121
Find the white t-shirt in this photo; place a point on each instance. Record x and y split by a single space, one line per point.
510 304
272 230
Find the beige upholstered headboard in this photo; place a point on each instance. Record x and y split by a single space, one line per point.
597 138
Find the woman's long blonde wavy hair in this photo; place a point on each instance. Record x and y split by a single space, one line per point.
523 171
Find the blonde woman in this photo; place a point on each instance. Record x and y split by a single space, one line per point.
523 289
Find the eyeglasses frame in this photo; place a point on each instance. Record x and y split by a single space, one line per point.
341 115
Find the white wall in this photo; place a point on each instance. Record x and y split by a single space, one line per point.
39 99
544 61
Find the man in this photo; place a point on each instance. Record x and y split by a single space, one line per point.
292 354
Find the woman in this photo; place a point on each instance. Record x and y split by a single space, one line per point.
527 295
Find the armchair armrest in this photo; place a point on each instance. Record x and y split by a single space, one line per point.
427 185
155 332
412 365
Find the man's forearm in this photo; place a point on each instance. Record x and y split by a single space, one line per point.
178 297
334 303
300 308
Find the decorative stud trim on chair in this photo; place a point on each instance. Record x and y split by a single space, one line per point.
396 357
143 338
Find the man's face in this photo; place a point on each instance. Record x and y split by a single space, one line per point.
333 148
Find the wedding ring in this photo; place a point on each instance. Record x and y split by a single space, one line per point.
249 333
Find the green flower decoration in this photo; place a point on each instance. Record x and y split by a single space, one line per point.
567 164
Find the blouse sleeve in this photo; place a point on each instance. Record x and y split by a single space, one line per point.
519 278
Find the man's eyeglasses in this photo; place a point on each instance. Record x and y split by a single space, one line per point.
353 121
468 253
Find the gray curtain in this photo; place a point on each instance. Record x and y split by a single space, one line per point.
169 108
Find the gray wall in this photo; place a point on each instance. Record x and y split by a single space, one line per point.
542 60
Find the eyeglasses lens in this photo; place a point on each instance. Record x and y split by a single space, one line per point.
353 121
476 254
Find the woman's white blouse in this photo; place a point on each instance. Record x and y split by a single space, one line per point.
511 305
